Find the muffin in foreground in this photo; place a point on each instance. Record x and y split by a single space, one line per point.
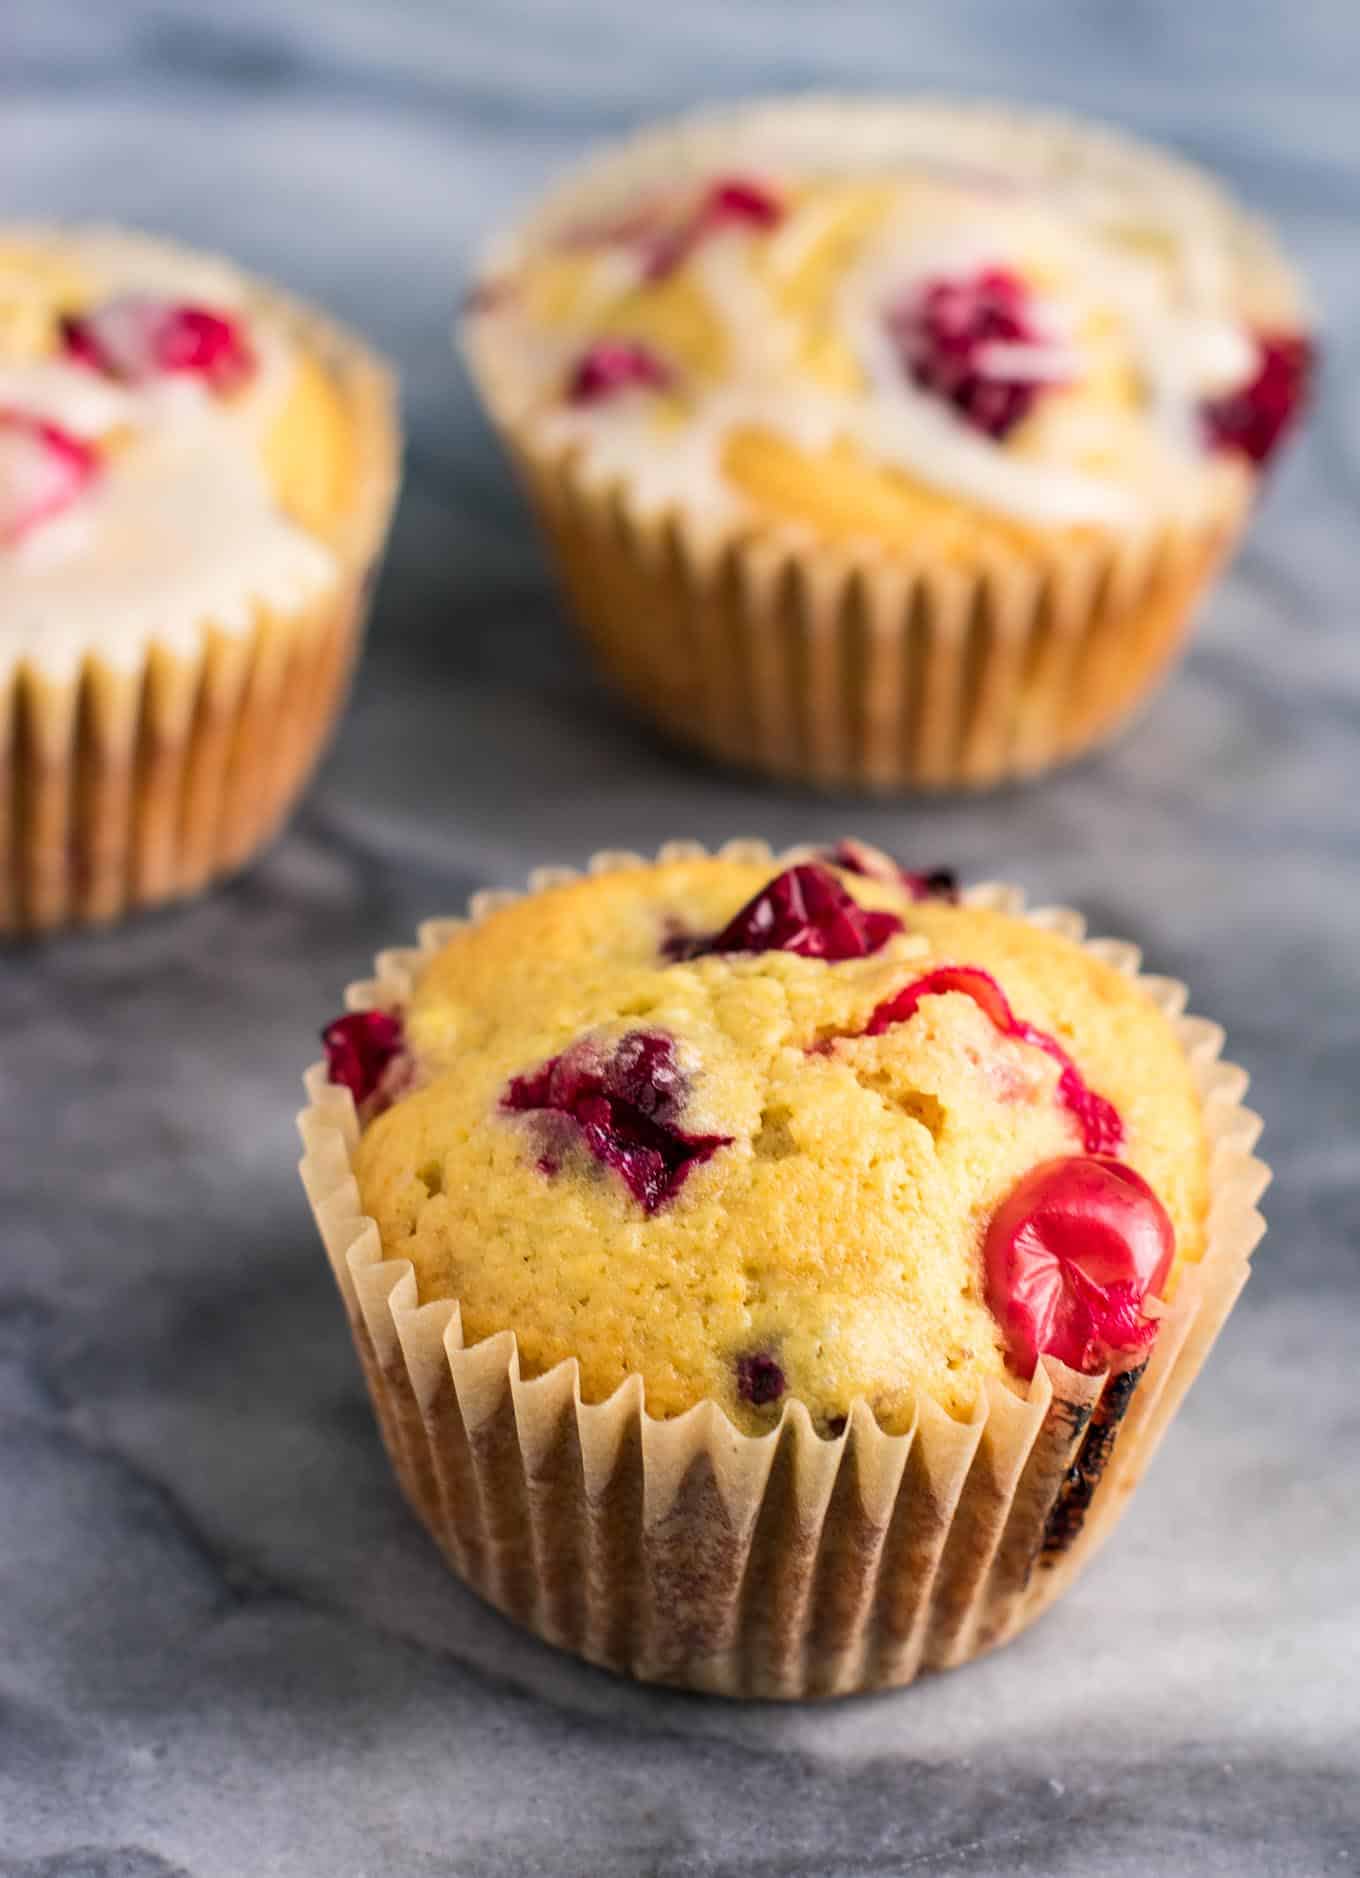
195 480
772 1274
887 444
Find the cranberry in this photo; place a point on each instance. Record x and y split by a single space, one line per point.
43 468
138 337
947 332
1070 1256
625 1103
804 910
359 1049
731 201
1255 417
1102 1130
613 365
760 1380
856 857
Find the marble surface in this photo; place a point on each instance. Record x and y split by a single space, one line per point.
224 1646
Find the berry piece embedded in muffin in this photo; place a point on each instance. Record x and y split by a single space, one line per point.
1101 1129
43 470
360 1051
1254 416
782 1171
614 365
973 340
804 910
1072 1254
857 857
139 337
624 1104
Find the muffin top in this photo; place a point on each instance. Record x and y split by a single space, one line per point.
177 448
761 1132
860 320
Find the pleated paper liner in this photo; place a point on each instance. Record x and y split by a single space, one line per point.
687 1552
124 787
851 668
871 666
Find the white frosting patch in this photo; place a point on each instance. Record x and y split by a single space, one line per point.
71 396
180 527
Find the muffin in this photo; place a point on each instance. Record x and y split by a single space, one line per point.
196 475
771 1275
887 444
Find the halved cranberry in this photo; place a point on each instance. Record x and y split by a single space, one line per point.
138 337
43 469
857 857
804 910
1255 417
614 365
1102 1129
1071 1255
954 336
732 200
359 1048
625 1103
760 1380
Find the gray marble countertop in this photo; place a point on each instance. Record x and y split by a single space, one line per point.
225 1647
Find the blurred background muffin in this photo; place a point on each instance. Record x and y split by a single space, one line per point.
195 481
888 444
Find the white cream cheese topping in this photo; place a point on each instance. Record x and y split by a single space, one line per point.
180 528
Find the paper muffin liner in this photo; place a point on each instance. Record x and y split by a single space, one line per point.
787 1564
864 665
124 786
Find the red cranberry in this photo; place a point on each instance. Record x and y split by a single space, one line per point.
613 365
856 857
625 1103
359 1048
804 910
760 1380
43 469
1071 1255
1255 417
1102 1130
731 201
944 332
138 337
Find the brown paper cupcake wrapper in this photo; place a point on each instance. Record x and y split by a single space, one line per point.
124 787
860 665
685 1551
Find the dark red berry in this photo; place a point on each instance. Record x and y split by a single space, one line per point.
856 857
1102 1129
624 1103
359 1049
1071 1255
951 335
614 365
43 469
1254 418
731 201
138 337
804 910
760 1380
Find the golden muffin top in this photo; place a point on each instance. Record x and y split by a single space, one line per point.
757 1132
862 336
175 450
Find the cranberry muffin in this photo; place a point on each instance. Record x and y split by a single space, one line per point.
883 443
195 479
831 1205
